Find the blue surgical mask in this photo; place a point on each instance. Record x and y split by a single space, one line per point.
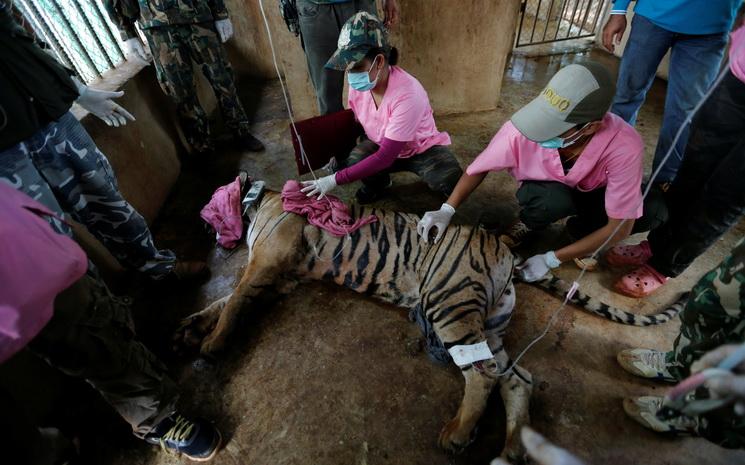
361 80
561 143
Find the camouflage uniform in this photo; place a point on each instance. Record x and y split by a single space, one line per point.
179 33
91 336
61 167
715 315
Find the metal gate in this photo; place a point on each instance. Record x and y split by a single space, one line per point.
545 21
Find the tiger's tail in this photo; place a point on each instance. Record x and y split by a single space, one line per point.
590 304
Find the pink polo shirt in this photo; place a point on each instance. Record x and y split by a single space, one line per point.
613 158
737 53
404 114
36 264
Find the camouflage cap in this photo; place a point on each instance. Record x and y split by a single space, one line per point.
360 33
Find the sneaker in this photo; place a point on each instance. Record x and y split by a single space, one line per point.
196 439
514 236
248 142
646 363
644 411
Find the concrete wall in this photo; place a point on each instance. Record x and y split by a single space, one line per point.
457 49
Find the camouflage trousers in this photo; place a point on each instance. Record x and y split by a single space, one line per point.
437 167
174 48
91 336
714 315
61 167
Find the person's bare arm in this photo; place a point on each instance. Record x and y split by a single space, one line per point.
590 243
613 31
390 13
466 184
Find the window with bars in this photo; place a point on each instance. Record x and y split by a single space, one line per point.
78 31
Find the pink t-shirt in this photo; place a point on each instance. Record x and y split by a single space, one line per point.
36 264
404 114
613 158
737 53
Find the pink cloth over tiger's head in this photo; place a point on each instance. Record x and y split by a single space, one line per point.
223 213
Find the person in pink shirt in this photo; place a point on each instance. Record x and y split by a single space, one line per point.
50 305
573 159
707 196
394 111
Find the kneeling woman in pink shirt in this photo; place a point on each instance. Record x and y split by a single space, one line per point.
572 159
394 111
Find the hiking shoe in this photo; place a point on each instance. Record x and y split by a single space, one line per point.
644 411
514 236
248 142
646 363
196 439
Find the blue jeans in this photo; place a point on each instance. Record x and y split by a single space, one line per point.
61 167
694 62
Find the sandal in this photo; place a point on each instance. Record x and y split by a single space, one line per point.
641 282
629 255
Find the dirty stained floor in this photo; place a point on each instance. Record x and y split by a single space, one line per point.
325 376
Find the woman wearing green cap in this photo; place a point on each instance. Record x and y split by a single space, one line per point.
394 111
573 159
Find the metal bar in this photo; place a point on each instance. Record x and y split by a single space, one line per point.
103 18
69 27
584 20
548 18
556 40
39 24
561 18
535 20
520 27
571 22
93 32
597 16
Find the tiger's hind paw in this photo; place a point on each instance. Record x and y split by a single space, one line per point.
453 438
193 329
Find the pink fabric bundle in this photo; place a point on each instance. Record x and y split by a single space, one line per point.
223 213
329 213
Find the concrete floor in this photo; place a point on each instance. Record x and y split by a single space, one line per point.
325 376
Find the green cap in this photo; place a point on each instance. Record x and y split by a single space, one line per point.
360 33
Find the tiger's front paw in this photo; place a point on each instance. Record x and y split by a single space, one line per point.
453 437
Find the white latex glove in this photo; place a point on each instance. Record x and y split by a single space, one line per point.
321 187
542 451
731 385
440 219
99 103
134 48
224 29
538 266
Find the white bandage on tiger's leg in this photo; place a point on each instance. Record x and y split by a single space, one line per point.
467 354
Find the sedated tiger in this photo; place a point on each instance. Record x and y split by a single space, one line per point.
463 282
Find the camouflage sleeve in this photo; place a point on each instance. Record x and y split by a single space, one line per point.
124 14
218 8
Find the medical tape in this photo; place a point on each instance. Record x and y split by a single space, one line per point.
467 354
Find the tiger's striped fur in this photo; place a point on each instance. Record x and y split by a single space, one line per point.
464 284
